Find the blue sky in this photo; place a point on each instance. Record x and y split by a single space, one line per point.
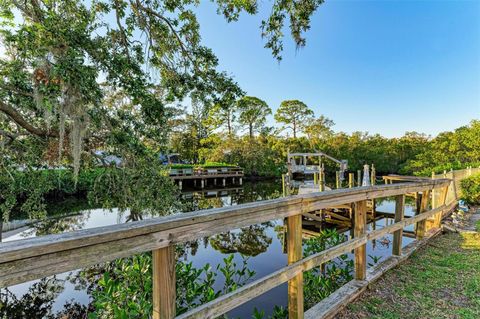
379 66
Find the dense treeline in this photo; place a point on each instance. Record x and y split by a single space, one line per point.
207 135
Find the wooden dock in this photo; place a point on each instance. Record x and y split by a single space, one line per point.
201 177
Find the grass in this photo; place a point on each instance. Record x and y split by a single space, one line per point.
477 225
206 165
441 280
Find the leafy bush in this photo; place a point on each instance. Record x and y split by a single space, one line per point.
320 282
471 189
125 288
180 166
25 192
145 188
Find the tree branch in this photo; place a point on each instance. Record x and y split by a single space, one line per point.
122 30
20 120
13 89
170 26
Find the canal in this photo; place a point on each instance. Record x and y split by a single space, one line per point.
260 246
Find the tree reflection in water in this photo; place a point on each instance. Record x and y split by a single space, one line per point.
59 225
248 241
38 302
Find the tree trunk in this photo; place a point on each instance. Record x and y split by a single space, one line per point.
229 126
250 128
294 129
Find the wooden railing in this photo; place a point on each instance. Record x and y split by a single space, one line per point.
35 258
455 190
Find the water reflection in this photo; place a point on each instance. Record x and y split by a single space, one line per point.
248 241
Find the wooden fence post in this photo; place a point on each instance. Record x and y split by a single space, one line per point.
421 225
359 230
164 284
397 236
294 253
439 201
351 178
321 181
337 180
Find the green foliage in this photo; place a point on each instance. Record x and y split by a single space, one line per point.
205 165
255 156
278 313
375 260
320 282
76 77
180 166
294 114
253 113
299 15
449 150
215 164
25 192
125 288
471 189
145 189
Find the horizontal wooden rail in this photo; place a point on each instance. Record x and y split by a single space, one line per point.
233 299
29 259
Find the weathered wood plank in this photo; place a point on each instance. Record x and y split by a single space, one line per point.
421 225
336 301
397 235
294 254
358 231
441 201
164 284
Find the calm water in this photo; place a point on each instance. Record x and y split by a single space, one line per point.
263 244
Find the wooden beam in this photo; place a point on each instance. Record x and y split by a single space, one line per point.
440 201
294 254
359 230
421 225
164 289
313 216
397 235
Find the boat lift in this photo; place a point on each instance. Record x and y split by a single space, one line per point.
297 164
